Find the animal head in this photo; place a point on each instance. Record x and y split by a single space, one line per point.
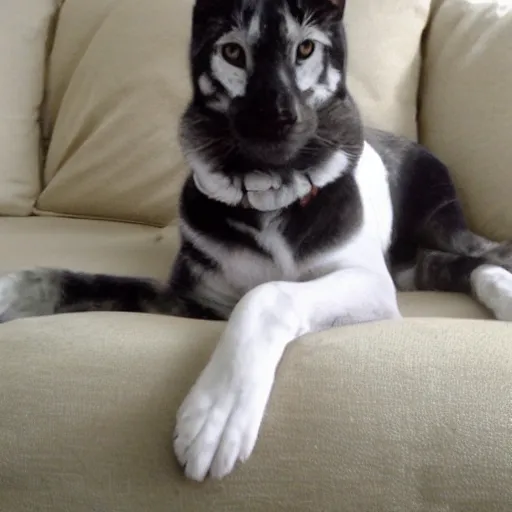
269 79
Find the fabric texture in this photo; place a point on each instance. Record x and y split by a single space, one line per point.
24 28
409 416
87 245
466 114
118 83
385 58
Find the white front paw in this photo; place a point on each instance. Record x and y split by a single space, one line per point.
218 423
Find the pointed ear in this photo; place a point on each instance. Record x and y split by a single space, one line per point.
340 4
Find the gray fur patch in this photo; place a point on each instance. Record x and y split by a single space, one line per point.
29 293
405 278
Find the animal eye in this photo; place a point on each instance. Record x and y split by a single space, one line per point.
305 49
234 54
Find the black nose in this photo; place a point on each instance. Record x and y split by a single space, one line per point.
278 113
286 116
265 114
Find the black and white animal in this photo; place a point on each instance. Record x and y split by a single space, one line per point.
295 218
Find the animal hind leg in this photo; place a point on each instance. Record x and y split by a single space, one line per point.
488 283
436 250
463 261
446 230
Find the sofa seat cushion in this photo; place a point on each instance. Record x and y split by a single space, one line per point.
440 305
131 249
394 417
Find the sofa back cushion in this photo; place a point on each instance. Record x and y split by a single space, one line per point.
118 82
384 60
24 29
466 114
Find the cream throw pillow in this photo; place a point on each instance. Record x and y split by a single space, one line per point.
119 82
467 106
24 28
384 64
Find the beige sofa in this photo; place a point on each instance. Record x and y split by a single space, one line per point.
403 416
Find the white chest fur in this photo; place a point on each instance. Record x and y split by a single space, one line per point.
367 247
244 269
373 184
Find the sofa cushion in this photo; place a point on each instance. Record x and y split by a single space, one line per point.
384 63
118 82
466 114
389 417
24 28
87 245
440 305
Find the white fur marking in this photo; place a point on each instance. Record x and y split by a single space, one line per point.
330 170
206 85
274 199
308 72
265 192
293 28
492 286
270 238
212 184
244 269
261 182
254 31
233 79
285 79
322 92
220 104
372 180
317 35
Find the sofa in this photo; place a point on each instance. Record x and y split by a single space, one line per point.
401 416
